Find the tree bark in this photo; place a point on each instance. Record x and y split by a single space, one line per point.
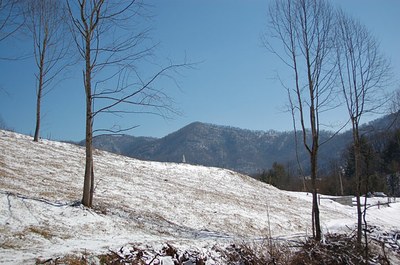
87 198
40 86
37 127
88 188
358 177
315 207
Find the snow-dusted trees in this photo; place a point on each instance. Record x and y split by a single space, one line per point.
304 30
46 23
363 72
111 46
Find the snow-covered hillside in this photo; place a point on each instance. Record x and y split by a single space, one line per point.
143 203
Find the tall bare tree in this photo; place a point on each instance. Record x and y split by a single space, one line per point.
111 47
304 29
363 73
46 22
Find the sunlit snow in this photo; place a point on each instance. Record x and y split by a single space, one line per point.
144 202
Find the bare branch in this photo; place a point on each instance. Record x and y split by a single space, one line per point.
10 18
115 130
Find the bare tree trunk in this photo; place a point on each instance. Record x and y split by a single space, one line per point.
359 178
366 252
359 216
88 188
315 207
87 198
37 128
40 87
357 167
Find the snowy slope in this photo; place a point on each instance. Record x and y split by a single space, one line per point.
141 202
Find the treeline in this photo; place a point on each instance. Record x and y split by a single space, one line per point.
380 167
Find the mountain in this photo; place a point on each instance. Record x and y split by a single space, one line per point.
233 148
206 144
219 146
120 144
241 150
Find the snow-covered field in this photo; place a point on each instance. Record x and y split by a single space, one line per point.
140 202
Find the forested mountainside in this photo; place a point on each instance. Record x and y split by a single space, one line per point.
238 149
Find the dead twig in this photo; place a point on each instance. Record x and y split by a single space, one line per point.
24 197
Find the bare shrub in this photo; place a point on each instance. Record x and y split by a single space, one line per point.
257 254
336 249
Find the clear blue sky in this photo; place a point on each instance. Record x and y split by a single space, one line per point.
234 85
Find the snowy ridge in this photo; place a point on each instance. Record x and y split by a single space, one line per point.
141 202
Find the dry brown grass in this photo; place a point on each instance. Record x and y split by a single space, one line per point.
41 231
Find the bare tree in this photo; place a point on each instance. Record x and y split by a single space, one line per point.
111 48
46 22
363 72
304 28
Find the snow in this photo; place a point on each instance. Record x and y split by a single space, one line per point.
144 203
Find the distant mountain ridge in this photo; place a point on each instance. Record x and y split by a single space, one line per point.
238 149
